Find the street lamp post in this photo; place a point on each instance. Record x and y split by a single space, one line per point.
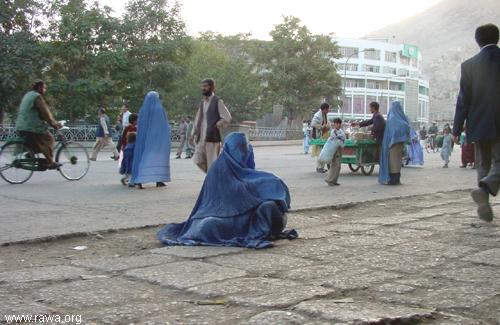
345 71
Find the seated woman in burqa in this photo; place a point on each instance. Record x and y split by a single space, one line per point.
237 205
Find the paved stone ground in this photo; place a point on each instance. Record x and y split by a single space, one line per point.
49 206
425 259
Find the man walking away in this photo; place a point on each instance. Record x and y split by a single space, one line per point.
478 106
212 116
103 136
182 137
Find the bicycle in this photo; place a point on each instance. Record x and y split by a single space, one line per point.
18 162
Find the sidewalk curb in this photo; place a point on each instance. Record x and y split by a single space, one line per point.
340 206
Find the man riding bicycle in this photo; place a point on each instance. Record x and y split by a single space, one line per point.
33 120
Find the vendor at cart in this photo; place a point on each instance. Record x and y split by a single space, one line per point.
377 121
321 129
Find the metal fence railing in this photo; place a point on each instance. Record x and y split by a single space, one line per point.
269 134
87 133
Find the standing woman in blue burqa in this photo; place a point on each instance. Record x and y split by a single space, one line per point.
151 162
237 205
396 134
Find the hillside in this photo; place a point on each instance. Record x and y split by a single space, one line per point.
445 35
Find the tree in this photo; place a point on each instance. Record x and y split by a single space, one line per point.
224 59
156 46
297 67
85 56
21 52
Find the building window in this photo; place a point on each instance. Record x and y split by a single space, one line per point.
354 83
346 52
391 56
383 105
397 86
359 104
390 70
403 72
350 67
372 68
346 104
372 55
404 60
422 90
374 84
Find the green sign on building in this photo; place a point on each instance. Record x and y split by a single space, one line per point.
410 51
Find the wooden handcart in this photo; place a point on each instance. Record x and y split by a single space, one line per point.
357 154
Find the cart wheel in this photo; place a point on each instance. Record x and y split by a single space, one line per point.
352 168
367 170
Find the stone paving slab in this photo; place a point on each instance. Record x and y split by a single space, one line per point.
48 273
169 313
469 273
260 263
489 257
363 312
392 220
390 261
308 248
182 275
12 304
399 232
261 292
275 317
455 296
433 249
435 226
124 263
99 292
339 276
196 251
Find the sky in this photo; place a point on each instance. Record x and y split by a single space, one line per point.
352 18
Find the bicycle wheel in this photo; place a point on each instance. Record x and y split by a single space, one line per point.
74 160
16 163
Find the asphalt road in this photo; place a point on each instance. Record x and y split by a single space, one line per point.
48 205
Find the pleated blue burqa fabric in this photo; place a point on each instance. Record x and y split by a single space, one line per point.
151 162
397 130
415 151
237 205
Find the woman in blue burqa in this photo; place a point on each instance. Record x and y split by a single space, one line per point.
414 151
237 205
396 134
151 163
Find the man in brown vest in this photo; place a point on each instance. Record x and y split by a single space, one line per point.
212 116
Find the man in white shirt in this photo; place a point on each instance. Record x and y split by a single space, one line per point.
125 116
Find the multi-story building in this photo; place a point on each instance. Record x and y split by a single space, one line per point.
380 71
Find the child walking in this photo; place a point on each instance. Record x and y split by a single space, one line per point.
337 135
446 149
128 158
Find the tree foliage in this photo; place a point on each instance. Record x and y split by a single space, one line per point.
91 58
236 83
297 67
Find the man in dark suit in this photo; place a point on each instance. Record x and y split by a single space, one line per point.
478 106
